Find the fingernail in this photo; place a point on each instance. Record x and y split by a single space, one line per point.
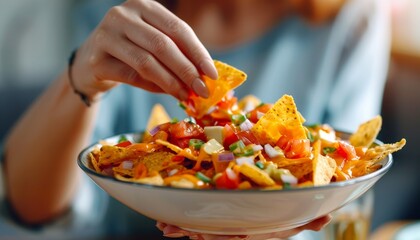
200 88
208 68
183 95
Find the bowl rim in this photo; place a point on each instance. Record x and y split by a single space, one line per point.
385 167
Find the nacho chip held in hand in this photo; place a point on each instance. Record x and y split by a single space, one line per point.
229 79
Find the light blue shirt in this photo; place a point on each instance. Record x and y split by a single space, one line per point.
336 73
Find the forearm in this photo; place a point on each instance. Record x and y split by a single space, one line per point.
134 45
40 152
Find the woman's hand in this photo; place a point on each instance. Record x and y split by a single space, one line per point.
175 232
143 44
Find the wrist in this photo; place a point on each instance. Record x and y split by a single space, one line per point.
86 98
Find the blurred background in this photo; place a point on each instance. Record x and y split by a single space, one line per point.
37 36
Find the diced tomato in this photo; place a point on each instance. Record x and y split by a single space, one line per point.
227 103
162 135
206 120
178 158
185 129
222 122
294 148
226 182
346 150
229 135
164 126
220 117
298 148
181 133
180 142
253 115
247 137
123 144
283 142
233 134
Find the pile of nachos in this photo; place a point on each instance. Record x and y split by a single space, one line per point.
226 143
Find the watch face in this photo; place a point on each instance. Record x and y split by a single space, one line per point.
409 232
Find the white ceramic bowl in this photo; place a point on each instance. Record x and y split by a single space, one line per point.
232 212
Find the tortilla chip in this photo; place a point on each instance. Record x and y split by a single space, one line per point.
324 166
158 115
366 133
110 154
376 154
186 152
361 168
157 161
122 171
155 180
229 79
370 161
300 170
256 175
282 119
283 162
94 162
113 155
306 184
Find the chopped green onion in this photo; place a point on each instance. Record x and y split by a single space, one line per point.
122 138
327 150
237 119
174 120
203 177
260 165
237 147
287 185
313 125
196 143
190 120
248 151
260 105
248 115
181 105
310 137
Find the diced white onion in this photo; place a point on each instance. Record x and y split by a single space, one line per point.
256 147
329 137
231 174
249 106
211 109
242 160
259 115
127 164
246 125
230 94
288 178
172 172
271 152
